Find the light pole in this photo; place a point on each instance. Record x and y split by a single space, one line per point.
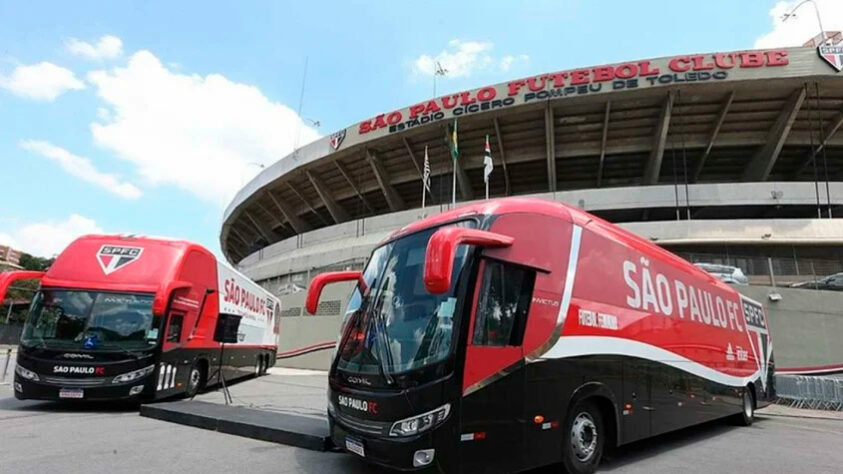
438 70
315 123
792 14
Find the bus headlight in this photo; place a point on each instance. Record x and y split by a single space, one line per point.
27 374
134 375
419 423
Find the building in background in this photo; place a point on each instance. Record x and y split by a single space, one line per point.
9 258
724 158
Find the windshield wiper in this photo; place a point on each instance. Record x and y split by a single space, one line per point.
378 322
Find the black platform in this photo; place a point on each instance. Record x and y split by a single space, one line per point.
294 430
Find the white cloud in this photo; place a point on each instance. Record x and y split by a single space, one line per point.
199 133
45 239
6 239
108 47
82 168
42 81
799 29
509 60
463 58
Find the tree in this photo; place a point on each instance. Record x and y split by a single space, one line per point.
25 289
31 262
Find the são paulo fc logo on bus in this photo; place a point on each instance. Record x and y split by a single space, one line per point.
115 257
833 54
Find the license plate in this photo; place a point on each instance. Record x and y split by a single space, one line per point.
354 446
71 393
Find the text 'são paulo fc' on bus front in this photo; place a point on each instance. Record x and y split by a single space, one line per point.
516 333
141 318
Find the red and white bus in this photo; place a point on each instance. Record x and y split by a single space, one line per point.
516 333
119 317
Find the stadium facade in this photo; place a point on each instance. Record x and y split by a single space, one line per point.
733 158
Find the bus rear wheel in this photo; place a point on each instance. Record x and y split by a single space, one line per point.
584 438
747 414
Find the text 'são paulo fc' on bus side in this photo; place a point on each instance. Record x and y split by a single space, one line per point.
140 318
516 333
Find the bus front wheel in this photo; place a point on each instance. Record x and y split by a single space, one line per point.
584 437
196 379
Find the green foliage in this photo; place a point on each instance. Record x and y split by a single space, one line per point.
23 290
31 262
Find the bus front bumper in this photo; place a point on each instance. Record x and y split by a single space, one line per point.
393 453
39 390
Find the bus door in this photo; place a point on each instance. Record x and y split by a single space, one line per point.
506 326
492 409
171 370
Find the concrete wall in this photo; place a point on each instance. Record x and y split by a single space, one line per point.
806 325
303 331
315 248
10 333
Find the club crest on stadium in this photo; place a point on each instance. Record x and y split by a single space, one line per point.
114 257
832 54
337 138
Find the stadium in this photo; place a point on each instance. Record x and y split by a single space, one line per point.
725 158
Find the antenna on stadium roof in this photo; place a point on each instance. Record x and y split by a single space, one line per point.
792 14
438 70
301 104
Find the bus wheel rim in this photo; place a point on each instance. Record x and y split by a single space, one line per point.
584 437
194 378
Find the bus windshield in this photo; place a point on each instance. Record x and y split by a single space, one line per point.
90 320
396 325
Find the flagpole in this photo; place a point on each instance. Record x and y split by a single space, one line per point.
424 178
455 154
487 165
454 187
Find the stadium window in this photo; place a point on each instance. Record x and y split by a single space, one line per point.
505 297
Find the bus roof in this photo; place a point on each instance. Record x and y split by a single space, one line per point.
559 210
119 263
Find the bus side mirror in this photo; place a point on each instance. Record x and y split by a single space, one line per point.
439 258
162 296
7 278
314 290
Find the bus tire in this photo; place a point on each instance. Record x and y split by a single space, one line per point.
196 378
583 438
747 414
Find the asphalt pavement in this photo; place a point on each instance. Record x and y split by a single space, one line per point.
86 438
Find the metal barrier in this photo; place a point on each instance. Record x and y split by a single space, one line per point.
6 365
808 391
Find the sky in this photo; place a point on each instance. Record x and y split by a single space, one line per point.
146 117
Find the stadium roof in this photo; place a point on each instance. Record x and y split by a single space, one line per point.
720 117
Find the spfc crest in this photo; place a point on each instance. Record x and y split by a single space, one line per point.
759 337
337 138
832 54
115 257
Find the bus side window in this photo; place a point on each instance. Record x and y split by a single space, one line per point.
174 328
502 307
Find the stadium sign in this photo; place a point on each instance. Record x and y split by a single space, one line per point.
577 82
